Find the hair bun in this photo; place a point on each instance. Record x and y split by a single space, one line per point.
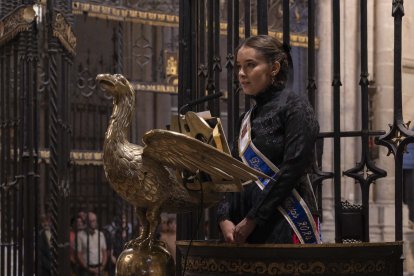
286 47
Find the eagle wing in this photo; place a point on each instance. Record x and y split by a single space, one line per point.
179 151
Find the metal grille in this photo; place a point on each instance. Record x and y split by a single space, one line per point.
207 63
53 119
19 148
244 18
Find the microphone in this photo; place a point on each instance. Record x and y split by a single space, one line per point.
200 100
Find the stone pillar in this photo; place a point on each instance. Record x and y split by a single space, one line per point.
383 209
350 94
383 76
382 215
324 106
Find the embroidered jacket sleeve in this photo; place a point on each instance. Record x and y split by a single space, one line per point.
297 127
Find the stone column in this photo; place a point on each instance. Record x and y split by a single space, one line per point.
324 106
350 94
384 72
383 108
376 226
383 76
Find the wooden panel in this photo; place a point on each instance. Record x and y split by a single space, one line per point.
214 258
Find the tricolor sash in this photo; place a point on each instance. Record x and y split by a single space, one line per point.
294 208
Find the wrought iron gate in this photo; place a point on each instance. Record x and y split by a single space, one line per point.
21 81
19 140
53 117
209 33
200 75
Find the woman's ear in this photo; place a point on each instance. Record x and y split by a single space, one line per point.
275 68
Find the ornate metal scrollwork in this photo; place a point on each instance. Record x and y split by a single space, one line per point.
345 205
141 52
235 266
86 82
398 8
230 61
318 176
156 14
397 139
202 71
171 67
63 31
18 21
365 171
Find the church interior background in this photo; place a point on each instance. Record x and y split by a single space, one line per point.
53 116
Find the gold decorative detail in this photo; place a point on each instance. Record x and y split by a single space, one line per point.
171 68
80 158
124 14
166 20
196 125
63 31
155 87
220 245
137 261
249 267
146 176
218 258
17 21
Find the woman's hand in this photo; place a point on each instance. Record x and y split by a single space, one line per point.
243 230
227 228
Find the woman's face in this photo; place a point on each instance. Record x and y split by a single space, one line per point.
254 71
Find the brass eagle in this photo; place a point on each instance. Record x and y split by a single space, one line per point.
146 176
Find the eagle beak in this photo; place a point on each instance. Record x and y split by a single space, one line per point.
107 81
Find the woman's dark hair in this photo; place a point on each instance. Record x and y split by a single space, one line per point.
272 49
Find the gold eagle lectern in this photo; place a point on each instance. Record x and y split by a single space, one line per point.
151 177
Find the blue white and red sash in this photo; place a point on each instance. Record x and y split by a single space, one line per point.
294 208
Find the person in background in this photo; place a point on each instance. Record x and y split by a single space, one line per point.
82 219
44 245
77 224
91 248
168 229
121 236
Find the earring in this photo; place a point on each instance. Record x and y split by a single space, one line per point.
273 78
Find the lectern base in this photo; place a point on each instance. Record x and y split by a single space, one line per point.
155 261
214 258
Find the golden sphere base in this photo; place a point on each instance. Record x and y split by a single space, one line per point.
145 261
